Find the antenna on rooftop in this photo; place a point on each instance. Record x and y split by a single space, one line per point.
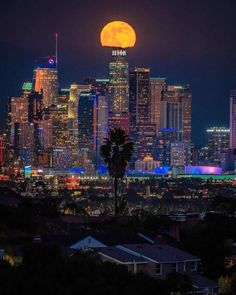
56 53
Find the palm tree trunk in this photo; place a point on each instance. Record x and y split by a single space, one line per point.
115 195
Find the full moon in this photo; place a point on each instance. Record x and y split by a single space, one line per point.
118 34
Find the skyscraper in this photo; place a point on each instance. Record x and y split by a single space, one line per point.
165 137
100 124
86 127
120 120
73 103
217 144
139 97
2 148
119 82
176 111
180 154
157 86
35 107
142 131
233 119
45 80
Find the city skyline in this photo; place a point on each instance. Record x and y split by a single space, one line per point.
205 61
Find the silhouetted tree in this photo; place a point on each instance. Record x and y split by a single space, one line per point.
117 151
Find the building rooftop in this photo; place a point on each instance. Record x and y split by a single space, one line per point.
121 256
161 253
200 282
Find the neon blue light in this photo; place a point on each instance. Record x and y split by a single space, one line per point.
78 170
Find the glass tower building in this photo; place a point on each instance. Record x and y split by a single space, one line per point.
119 82
45 80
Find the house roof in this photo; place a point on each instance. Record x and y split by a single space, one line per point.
159 254
107 237
118 255
200 282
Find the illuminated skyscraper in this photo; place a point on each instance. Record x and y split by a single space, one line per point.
18 113
86 143
45 80
119 82
165 137
216 151
45 135
176 111
180 154
35 107
26 144
142 131
102 85
157 86
217 143
2 151
73 104
233 119
146 143
100 124
139 98
120 120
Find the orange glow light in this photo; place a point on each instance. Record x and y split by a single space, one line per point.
118 34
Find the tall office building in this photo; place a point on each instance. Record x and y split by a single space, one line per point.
142 131
165 137
139 97
73 103
2 151
233 119
26 144
102 85
120 120
176 111
119 82
86 143
146 143
100 124
35 107
157 87
217 144
45 80
180 154
216 151
45 135
18 113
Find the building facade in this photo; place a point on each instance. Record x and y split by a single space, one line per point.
45 80
119 82
176 107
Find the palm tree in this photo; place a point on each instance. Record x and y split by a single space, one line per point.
117 151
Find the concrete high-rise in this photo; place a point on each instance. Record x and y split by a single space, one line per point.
217 144
176 111
45 80
157 87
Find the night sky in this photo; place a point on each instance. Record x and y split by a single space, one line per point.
186 41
